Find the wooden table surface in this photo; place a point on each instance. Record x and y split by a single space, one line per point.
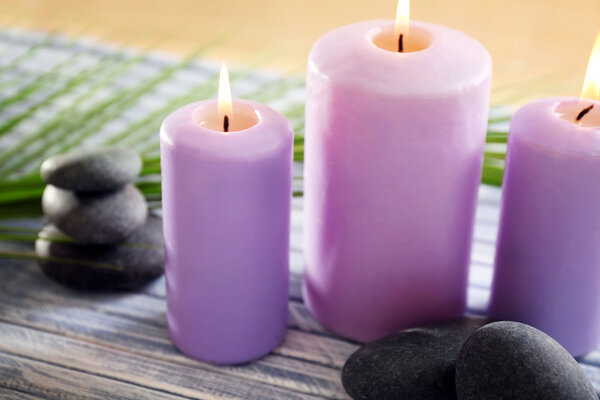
59 344
539 47
56 344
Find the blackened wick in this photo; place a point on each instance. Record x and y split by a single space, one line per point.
226 124
583 112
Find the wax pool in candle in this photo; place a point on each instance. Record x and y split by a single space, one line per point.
547 270
393 156
226 205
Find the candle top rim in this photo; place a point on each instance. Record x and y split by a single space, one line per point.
453 61
242 112
570 110
271 131
539 125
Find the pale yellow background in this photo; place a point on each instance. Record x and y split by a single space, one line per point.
539 47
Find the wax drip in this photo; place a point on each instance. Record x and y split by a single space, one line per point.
401 43
584 112
226 124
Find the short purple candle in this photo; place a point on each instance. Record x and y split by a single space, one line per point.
226 200
548 252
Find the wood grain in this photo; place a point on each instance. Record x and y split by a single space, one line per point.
305 363
134 369
9 394
52 382
57 343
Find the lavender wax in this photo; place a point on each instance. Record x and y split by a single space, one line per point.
393 156
226 200
547 268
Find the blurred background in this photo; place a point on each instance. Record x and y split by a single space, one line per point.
539 47
85 73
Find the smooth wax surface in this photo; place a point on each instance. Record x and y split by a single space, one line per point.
547 269
393 156
226 206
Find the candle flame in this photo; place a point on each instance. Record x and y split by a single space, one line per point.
225 105
402 18
591 86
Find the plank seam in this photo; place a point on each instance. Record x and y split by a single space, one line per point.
197 364
88 373
17 390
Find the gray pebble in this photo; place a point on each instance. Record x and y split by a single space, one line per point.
414 364
97 169
509 360
141 259
95 218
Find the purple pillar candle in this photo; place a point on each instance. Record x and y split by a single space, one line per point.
226 204
394 149
547 269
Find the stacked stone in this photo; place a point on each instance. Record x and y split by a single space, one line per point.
100 235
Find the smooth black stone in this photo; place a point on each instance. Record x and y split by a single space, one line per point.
90 170
96 218
141 259
412 364
510 360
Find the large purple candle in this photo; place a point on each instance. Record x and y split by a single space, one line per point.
393 155
226 203
548 252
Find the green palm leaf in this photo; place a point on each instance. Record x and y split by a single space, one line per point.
80 109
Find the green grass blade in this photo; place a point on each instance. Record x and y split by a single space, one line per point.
9 228
492 175
33 256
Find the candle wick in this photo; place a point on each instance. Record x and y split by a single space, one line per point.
584 112
401 43
226 124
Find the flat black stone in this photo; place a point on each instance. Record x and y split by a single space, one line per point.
412 364
91 267
510 360
97 169
96 218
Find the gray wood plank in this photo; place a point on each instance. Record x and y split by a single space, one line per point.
133 322
138 306
318 349
272 369
142 371
52 382
9 394
308 363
